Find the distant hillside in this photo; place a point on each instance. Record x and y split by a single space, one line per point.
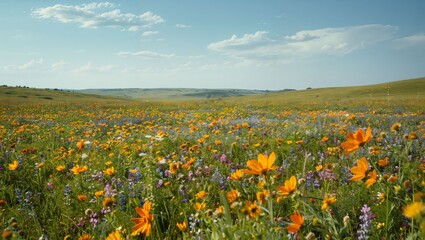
172 93
25 95
398 92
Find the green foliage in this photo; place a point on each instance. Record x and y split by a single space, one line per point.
83 169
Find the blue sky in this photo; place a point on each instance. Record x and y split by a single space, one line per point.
210 44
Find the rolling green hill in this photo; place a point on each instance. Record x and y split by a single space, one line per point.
399 92
24 95
392 93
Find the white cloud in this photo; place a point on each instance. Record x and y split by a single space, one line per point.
96 15
182 26
304 44
145 54
410 41
247 41
89 67
26 66
149 33
58 65
184 67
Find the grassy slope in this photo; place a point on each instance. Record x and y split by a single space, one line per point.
17 95
406 91
393 93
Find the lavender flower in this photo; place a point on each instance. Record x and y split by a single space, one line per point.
365 222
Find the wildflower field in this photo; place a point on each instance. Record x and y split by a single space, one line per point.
211 171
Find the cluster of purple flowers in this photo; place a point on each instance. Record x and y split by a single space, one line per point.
365 222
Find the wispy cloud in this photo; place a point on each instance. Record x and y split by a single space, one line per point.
149 33
183 26
410 41
145 54
304 44
58 65
28 65
89 67
95 15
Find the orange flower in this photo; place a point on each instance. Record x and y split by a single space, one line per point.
232 195
182 226
114 236
80 144
298 221
236 175
356 140
252 209
81 197
372 179
360 170
143 224
289 187
262 165
383 162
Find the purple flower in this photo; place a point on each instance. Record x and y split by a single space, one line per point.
365 222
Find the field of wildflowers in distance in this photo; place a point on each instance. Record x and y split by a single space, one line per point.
211 171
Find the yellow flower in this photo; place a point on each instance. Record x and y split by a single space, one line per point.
236 175
13 166
201 195
60 168
80 144
199 206
261 196
98 193
289 187
414 209
252 209
232 196
262 165
319 167
107 202
182 226
173 167
85 237
110 171
328 201
396 127
79 169
143 224
114 236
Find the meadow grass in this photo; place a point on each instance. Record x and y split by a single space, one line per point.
212 169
